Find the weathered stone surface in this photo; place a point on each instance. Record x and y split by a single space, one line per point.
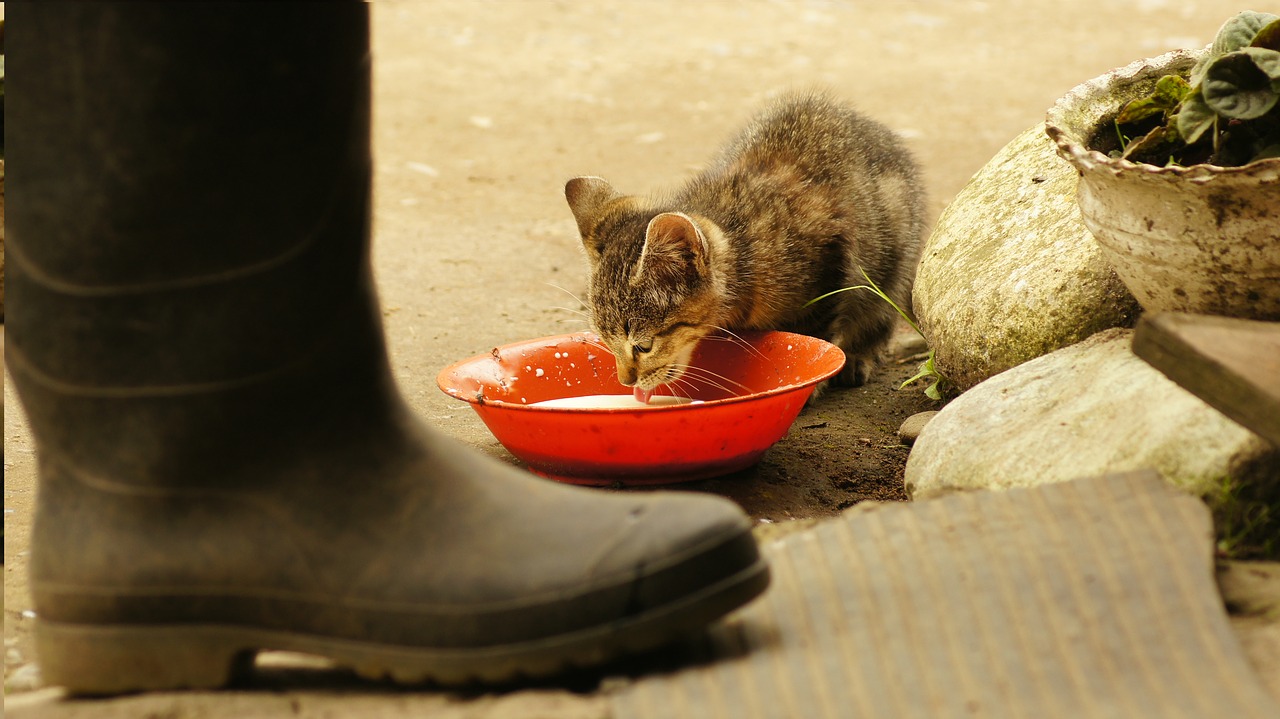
911 428
1011 272
1088 409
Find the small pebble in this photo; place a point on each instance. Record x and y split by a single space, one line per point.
914 425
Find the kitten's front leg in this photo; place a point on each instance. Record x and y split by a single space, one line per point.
858 368
855 373
862 332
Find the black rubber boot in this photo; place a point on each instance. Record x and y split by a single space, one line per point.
225 463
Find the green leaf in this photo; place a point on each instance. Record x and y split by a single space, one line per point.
1140 109
926 369
1239 31
875 289
1266 60
1172 88
1151 143
1194 118
923 373
822 297
1268 37
1169 91
1197 70
1236 87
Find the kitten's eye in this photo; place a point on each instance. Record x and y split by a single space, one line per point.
644 346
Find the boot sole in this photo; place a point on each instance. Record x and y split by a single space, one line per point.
113 659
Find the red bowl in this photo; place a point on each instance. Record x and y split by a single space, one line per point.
771 375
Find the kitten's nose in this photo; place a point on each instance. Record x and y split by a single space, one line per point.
627 375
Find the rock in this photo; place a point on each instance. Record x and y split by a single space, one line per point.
1250 588
1010 272
1089 409
24 679
911 428
907 345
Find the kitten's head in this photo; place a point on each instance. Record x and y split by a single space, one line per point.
652 295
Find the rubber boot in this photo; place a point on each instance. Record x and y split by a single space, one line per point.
225 463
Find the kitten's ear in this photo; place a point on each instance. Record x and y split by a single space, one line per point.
674 247
587 198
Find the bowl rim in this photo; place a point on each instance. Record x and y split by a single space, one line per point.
693 406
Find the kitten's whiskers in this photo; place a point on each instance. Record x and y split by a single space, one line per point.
584 319
736 339
679 385
572 311
714 379
567 292
598 345
586 316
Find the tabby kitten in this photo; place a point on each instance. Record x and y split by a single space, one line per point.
804 199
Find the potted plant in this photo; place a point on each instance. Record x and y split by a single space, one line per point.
1179 161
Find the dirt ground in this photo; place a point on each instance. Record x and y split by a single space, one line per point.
484 109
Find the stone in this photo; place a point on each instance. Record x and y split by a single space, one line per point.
1010 272
911 428
909 344
25 678
1089 409
1250 588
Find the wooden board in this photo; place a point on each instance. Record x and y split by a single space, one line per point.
1231 364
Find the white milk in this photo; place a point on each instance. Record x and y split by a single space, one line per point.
613 401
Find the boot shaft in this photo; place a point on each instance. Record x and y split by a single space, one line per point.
188 227
161 145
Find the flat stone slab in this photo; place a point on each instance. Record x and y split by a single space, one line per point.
1088 598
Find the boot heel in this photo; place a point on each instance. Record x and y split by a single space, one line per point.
96 659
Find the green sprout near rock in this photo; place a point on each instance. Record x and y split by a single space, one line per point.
1225 113
1246 521
928 369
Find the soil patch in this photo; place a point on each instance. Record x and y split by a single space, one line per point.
843 449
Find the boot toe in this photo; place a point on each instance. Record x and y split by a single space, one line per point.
678 545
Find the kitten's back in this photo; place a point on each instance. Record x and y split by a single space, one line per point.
832 144
809 173
815 194
820 135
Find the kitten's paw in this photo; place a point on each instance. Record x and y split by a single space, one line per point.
857 370
819 390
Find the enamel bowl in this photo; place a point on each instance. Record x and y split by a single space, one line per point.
753 391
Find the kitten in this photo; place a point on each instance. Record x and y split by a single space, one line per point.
804 199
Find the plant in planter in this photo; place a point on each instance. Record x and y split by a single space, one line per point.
1182 200
1226 113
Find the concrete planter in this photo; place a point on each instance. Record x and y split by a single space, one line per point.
1202 239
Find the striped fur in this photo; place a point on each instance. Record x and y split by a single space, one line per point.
808 196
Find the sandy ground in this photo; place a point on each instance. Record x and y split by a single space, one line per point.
484 109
